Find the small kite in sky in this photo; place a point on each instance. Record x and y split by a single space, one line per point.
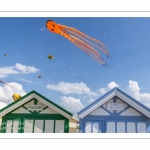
16 97
50 57
5 55
39 76
79 39
5 83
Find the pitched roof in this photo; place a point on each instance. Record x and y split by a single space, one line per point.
31 95
114 92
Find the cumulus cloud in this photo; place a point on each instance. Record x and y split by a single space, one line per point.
17 69
25 69
24 80
6 92
71 104
110 86
134 90
74 88
91 101
2 105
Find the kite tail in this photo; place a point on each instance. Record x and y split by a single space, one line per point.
87 49
9 85
74 31
5 83
87 41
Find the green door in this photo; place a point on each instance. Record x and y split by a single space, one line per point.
11 126
44 126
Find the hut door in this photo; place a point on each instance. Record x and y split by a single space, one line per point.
92 127
33 126
44 126
13 126
126 126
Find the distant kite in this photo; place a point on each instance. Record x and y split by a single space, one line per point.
50 57
16 97
81 43
5 54
39 76
5 83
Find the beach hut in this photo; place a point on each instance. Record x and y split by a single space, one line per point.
115 112
73 125
33 113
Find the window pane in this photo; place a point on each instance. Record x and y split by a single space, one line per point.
59 127
131 127
120 127
15 126
95 127
9 126
38 126
141 127
49 126
28 126
88 127
110 127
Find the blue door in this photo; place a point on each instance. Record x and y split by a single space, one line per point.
92 126
118 126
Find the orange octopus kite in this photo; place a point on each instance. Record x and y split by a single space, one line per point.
67 31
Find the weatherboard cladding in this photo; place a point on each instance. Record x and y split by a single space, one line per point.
130 117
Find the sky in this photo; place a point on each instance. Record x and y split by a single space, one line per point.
73 79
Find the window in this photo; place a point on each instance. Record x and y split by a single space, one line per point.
121 127
110 127
131 127
141 127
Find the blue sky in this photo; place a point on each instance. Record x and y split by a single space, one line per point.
27 43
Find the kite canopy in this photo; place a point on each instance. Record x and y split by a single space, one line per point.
39 76
50 57
5 54
16 97
84 42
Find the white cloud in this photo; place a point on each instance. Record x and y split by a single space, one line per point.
24 80
25 69
17 69
110 86
74 88
2 105
91 100
71 104
102 90
6 92
134 90
4 71
3 75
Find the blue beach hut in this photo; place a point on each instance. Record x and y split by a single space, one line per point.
115 112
